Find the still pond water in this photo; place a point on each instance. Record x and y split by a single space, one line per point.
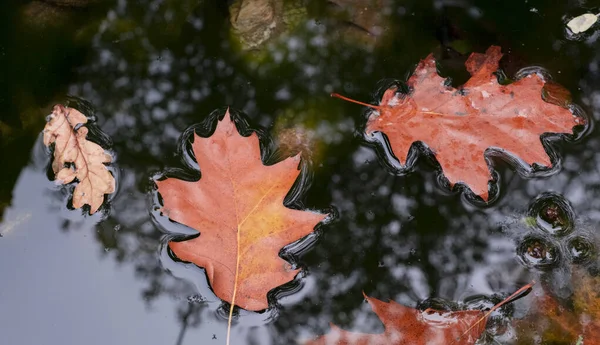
146 70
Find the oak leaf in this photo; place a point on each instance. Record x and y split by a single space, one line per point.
75 157
409 326
237 206
460 125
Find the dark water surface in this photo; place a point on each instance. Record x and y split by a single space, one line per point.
149 69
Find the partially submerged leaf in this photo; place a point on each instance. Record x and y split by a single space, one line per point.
582 23
75 157
408 326
459 125
560 322
237 206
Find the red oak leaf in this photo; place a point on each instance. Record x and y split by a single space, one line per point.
237 206
459 125
564 322
408 326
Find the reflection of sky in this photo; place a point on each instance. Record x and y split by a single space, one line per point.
60 289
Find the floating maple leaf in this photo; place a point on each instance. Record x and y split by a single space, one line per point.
408 326
237 206
77 157
459 125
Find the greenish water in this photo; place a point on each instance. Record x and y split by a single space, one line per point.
150 69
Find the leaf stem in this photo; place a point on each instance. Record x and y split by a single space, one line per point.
378 107
516 295
337 95
233 297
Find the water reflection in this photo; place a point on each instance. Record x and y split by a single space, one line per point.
155 68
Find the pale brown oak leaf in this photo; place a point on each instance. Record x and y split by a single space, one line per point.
77 157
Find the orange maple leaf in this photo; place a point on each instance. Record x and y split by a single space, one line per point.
237 206
460 125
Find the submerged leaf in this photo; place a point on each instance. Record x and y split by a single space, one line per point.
561 322
237 206
367 15
408 326
75 157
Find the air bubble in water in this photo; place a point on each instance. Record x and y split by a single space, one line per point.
436 303
580 249
478 302
553 214
537 252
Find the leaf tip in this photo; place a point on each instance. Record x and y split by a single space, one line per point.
227 115
58 108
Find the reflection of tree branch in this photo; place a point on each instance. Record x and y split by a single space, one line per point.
181 333
192 308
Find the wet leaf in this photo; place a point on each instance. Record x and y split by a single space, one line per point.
237 206
566 321
408 326
75 157
405 325
582 23
460 125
